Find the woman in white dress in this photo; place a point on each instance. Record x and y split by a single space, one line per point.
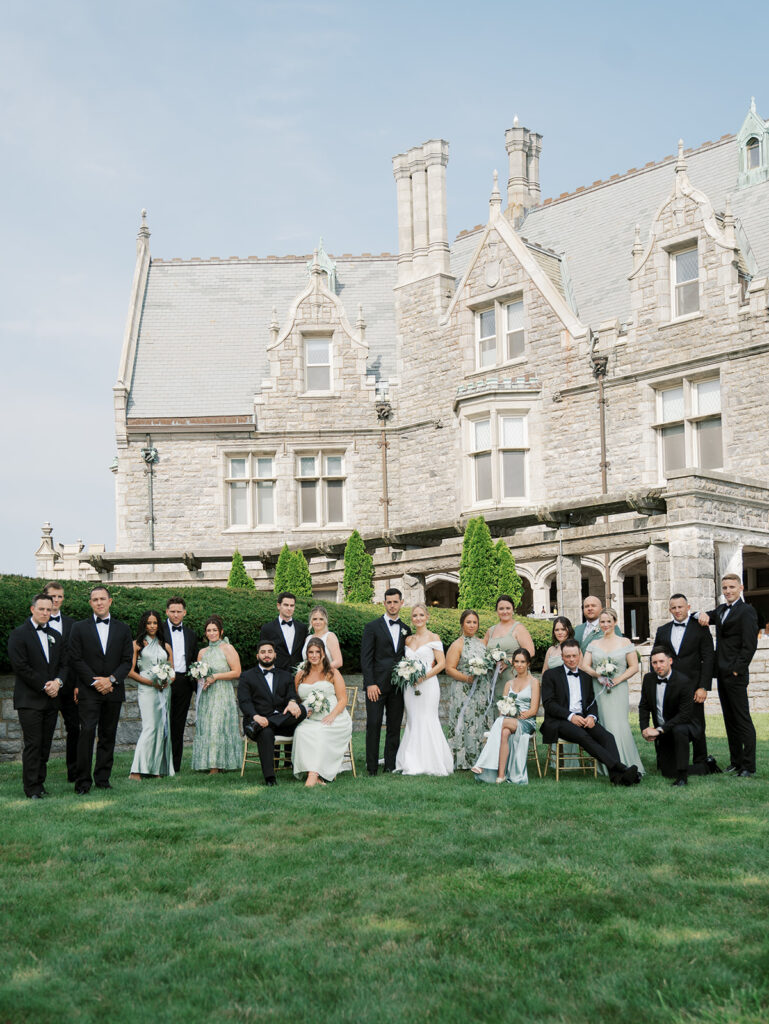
319 627
321 740
423 749
503 759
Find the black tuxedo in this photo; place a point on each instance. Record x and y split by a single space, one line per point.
182 690
378 656
694 660
67 706
37 711
679 725
736 642
598 742
256 698
284 659
98 710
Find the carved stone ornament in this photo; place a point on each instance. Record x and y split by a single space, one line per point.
492 273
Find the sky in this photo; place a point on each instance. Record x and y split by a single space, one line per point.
253 128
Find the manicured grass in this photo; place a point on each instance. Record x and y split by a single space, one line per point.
389 899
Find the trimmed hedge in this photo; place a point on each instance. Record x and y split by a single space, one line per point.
244 612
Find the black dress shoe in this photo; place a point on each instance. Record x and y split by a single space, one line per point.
681 782
249 731
82 790
712 766
44 791
630 776
372 774
732 770
271 782
745 774
103 785
35 796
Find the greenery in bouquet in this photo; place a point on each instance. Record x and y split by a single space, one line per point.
408 673
161 674
317 703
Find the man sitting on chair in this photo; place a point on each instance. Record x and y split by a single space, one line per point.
571 714
270 705
669 697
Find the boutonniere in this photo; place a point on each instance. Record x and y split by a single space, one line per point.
51 640
403 630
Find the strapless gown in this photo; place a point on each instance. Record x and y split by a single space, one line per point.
317 747
423 749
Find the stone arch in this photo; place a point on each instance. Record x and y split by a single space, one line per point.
632 590
442 589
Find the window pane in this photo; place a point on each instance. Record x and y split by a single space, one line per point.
515 342
265 503
515 316
754 154
307 465
708 397
687 298
307 502
333 465
239 504
512 432
486 324
264 467
513 474
487 352
238 468
482 477
482 434
686 266
710 448
317 351
318 378
672 404
335 501
673 450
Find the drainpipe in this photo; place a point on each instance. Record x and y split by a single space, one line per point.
599 372
149 454
384 413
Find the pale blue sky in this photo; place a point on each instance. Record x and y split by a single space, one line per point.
251 128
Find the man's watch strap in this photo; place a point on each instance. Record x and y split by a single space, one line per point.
112 680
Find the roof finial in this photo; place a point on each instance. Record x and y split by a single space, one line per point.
495 200
274 325
144 231
637 244
360 323
515 121
680 162
752 104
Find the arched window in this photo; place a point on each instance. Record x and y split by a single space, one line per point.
752 153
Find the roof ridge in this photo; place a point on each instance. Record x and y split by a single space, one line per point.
289 258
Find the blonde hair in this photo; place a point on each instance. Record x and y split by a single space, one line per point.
422 606
319 610
609 611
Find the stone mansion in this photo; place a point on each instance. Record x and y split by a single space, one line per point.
587 372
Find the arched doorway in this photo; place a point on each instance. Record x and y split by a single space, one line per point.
442 590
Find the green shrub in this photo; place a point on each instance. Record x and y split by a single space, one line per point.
508 580
464 561
301 580
238 576
480 589
283 570
358 571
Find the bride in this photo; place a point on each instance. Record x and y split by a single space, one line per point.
423 749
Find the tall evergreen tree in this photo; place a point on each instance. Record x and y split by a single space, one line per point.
358 571
238 576
283 571
301 580
463 562
508 580
481 571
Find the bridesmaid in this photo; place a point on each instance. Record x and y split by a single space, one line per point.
321 743
507 749
469 717
562 630
152 756
217 744
319 628
509 635
613 695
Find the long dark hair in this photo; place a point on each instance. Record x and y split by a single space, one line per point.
566 623
524 652
141 632
325 664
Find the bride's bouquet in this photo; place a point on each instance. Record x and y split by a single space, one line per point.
509 707
161 674
606 670
317 703
408 673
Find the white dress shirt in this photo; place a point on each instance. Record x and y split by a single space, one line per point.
42 637
288 634
56 624
394 626
177 646
267 673
102 628
661 689
575 694
677 634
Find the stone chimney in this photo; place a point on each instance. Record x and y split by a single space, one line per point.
523 191
420 179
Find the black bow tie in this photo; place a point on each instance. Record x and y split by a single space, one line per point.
287 622
575 674
661 679
176 629
41 629
394 622
105 621
55 618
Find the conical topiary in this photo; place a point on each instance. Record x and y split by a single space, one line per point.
238 576
481 571
463 579
283 571
508 580
358 571
301 580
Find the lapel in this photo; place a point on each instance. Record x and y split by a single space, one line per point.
282 636
263 682
36 648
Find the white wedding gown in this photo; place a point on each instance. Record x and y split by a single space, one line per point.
424 749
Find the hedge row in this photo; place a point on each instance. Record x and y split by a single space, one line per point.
243 611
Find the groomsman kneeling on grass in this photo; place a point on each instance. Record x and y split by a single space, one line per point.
571 714
668 697
39 660
270 705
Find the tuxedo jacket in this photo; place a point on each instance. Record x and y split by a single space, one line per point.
583 641
31 668
67 622
89 660
377 653
190 642
677 707
284 659
555 700
256 698
695 656
736 637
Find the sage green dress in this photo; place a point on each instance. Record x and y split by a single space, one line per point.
469 715
153 749
614 705
508 643
217 742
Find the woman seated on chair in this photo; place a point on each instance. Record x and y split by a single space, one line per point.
507 747
321 741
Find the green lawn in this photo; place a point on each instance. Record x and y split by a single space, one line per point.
386 900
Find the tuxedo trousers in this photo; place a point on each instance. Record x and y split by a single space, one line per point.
102 716
598 742
183 689
673 752
264 737
71 718
37 728
740 732
699 741
392 703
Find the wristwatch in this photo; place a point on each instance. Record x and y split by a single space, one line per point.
112 680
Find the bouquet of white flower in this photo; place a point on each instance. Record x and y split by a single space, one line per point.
508 706
497 655
317 703
408 673
200 670
161 674
606 670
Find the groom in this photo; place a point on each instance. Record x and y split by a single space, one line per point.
382 646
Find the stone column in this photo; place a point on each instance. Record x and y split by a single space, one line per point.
691 566
728 559
541 597
569 579
436 158
420 215
658 582
402 174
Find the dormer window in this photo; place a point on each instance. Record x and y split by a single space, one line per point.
500 333
753 149
752 153
317 358
686 274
